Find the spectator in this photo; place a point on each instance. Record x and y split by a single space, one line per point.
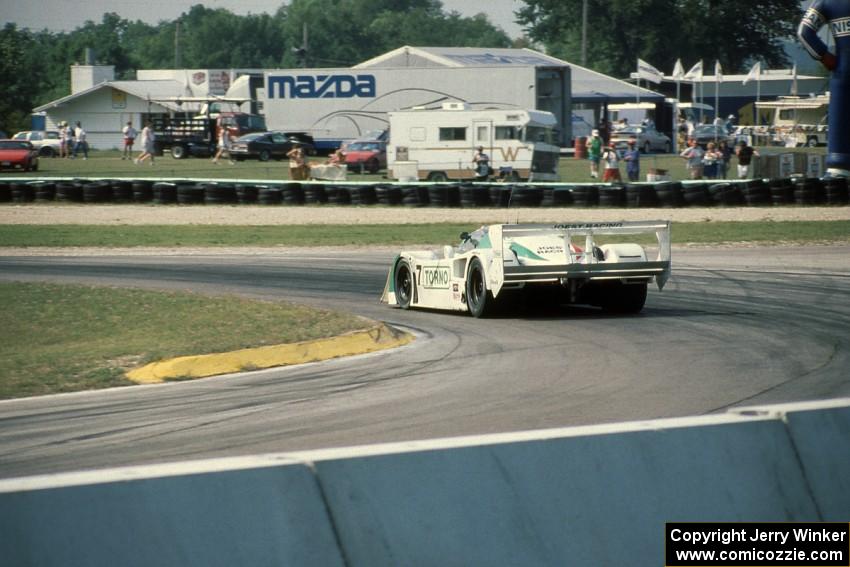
709 161
594 152
80 142
745 155
129 138
297 163
223 144
148 146
725 153
612 165
69 140
481 161
64 148
693 154
632 159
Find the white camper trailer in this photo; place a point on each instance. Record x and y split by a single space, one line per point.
799 120
439 144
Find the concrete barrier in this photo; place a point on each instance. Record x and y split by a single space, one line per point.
821 435
587 496
264 511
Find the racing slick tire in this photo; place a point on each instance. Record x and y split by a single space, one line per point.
624 298
479 300
403 283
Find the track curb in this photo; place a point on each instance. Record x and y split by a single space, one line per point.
378 337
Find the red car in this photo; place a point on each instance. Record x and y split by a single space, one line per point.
18 154
366 156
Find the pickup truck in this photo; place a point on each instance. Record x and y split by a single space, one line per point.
184 137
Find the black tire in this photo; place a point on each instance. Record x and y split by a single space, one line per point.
812 142
372 166
179 152
479 300
46 151
647 148
264 155
438 177
614 196
668 148
403 283
624 298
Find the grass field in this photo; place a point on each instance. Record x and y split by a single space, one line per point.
109 164
65 338
375 235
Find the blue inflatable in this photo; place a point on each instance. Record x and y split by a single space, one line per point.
835 13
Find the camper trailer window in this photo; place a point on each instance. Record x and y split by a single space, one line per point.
452 134
506 133
482 134
786 114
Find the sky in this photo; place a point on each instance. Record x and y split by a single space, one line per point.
65 15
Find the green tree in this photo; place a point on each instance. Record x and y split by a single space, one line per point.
660 31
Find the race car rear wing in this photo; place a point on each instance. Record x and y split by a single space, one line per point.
585 264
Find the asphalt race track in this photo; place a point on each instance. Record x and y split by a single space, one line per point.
735 327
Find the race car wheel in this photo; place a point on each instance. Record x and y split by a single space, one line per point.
403 279
478 298
624 298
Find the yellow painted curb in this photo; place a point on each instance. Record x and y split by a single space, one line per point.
376 338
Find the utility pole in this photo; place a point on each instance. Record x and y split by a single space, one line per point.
584 33
177 45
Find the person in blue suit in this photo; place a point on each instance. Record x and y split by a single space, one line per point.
836 14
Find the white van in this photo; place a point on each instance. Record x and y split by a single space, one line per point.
439 144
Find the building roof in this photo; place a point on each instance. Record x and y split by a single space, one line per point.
587 85
145 90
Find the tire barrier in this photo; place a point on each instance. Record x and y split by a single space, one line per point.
164 193
809 191
585 195
614 196
189 194
270 196
71 192
247 194
836 191
219 194
756 193
639 196
290 193
142 191
726 194
781 191
388 195
45 192
668 194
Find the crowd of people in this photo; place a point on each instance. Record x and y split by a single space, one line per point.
711 162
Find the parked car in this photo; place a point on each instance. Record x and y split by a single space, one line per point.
18 154
45 141
368 156
705 133
266 145
648 139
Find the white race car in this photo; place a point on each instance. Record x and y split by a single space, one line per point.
497 260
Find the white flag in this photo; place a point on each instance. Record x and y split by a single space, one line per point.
695 72
754 74
648 72
678 70
718 72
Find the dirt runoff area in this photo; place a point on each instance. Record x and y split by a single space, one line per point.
308 215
